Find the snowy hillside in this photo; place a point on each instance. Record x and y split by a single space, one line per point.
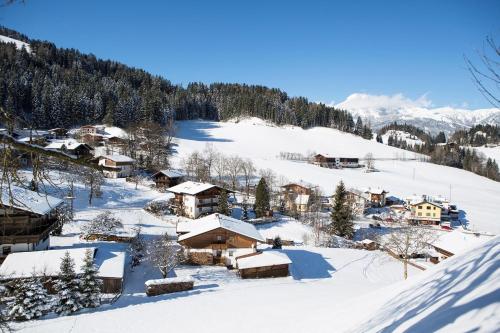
411 140
19 44
461 294
477 196
491 152
383 110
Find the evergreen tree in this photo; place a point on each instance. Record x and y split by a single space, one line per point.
223 205
90 285
277 244
440 138
31 300
67 287
262 198
244 213
342 216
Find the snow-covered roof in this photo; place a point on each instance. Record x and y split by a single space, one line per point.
170 173
190 187
377 190
186 279
302 199
23 264
458 242
186 226
68 143
118 158
216 220
263 259
301 183
29 200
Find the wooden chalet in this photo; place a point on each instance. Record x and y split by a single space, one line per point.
358 200
219 239
26 220
72 147
297 196
116 166
327 161
193 199
376 196
88 129
167 178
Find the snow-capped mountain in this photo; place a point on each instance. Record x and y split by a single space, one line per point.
381 110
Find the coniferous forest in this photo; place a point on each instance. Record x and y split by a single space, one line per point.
54 87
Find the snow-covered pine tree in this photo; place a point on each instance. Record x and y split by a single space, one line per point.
67 287
341 214
31 300
277 244
90 285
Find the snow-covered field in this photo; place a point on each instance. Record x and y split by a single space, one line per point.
478 197
491 152
19 44
410 139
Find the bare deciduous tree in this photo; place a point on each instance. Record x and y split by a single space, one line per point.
407 240
234 169
164 254
248 170
370 162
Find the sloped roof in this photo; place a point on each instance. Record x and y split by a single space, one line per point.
377 190
29 200
458 242
216 220
118 158
190 187
263 259
68 143
170 173
23 264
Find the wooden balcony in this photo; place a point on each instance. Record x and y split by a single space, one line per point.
33 235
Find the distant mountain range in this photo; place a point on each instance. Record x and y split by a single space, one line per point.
382 110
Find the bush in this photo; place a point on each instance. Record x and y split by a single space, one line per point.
104 224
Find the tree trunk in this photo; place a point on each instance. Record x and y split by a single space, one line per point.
405 265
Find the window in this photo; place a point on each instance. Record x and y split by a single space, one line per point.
427 214
219 238
428 207
419 214
6 250
419 207
434 208
231 253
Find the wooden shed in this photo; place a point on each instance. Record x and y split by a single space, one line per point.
267 264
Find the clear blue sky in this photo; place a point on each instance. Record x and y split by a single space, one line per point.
324 50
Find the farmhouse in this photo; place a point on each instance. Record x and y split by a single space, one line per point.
167 178
263 265
297 196
46 264
88 129
376 196
219 239
358 200
116 166
456 242
71 147
26 220
327 161
193 199
425 212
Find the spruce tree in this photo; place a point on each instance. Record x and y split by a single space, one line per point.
90 285
223 206
67 287
31 300
277 244
244 213
342 214
262 198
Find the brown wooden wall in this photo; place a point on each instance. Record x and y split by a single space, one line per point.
209 240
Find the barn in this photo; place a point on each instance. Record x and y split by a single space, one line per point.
23 265
264 264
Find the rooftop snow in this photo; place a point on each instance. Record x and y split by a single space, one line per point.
216 220
190 187
171 173
266 258
458 242
29 200
377 190
68 143
24 264
118 158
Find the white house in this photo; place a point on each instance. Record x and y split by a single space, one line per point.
117 166
193 199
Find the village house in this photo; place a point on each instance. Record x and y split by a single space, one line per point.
116 166
88 129
425 212
115 145
376 196
46 264
26 220
327 161
193 199
450 243
218 239
298 196
71 147
167 178
263 264
358 200
58 133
